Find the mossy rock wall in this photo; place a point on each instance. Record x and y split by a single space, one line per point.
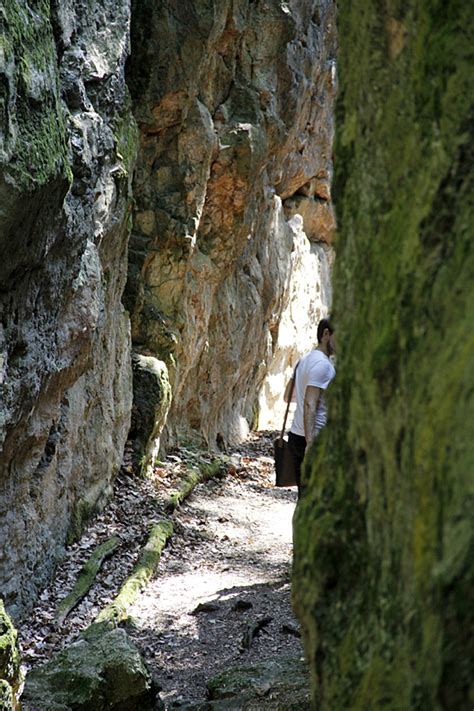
67 144
383 535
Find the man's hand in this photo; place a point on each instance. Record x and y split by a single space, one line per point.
311 399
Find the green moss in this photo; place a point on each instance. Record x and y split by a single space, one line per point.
82 513
86 578
10 673
126 136
383 534
105 672
37 139
149 558
191 479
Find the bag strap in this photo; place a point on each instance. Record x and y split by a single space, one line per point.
288 403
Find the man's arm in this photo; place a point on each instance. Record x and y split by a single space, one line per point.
311 399
286 396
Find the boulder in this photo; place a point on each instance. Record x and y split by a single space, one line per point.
279 684
151 403
104 672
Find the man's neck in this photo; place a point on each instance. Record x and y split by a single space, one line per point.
321 347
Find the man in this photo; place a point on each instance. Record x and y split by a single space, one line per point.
313 376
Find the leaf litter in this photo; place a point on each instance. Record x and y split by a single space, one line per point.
223 579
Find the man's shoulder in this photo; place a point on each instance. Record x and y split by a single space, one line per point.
320 367
316 357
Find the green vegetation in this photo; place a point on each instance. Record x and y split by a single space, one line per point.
102 673
150 556
382 537
86 578
37 134
193 477
10 673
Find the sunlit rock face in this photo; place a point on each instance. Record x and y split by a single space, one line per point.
307 300
66 149
234 106
383 537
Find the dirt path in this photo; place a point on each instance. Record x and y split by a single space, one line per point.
224 574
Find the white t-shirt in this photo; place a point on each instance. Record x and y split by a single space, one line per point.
315 369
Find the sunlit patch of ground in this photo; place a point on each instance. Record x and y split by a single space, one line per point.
232 557
229 557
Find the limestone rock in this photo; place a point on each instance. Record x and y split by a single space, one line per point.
308 299
104 674
384 538
318 217
65 160
11 676
151 403
234 105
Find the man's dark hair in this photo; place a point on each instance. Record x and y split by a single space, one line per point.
322 325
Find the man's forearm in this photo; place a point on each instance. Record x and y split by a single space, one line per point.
309 423
309 413
288 390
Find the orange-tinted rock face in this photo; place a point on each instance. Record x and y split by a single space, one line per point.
234 104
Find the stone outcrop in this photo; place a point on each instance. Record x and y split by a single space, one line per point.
383 536
274 684
105 673
151 403
66 155
234 105
233 102
11 676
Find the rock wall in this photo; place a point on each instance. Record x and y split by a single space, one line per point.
308 299
233 101
66 153
234 106
383 537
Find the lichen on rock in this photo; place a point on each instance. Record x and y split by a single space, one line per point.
11 675
66 158
382 536
103 673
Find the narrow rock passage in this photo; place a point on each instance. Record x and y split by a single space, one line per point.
221 594
226 570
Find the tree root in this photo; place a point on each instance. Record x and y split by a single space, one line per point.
191 479
86 578
117 611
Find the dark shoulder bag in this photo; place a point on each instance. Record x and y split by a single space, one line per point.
284 464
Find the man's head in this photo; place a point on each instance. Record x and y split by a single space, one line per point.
326 337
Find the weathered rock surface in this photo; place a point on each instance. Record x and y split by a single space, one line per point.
234 105
67 145
104 674
279 684
307 300
151 403
11 676
383 549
